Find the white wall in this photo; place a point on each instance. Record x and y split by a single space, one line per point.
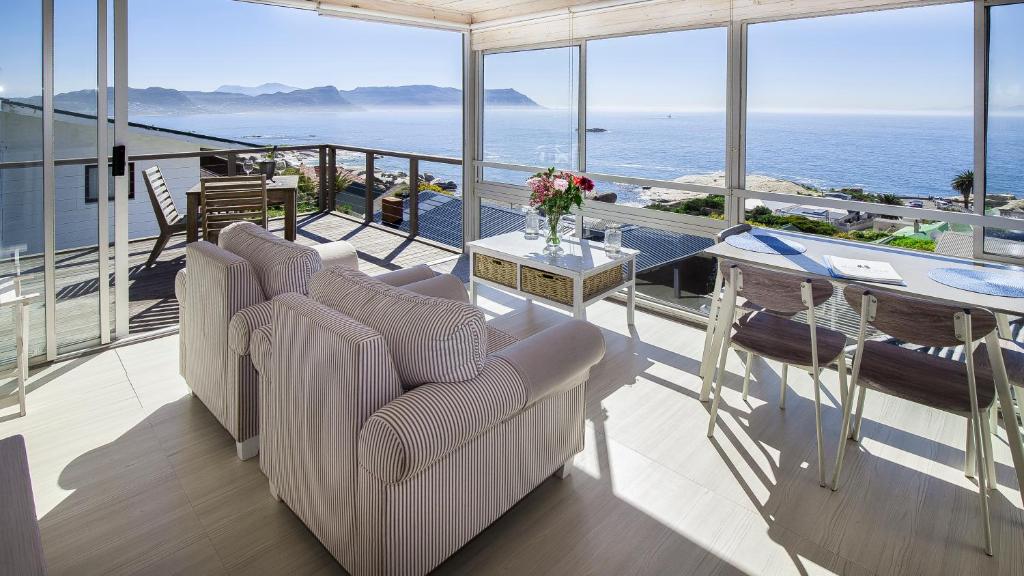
21 205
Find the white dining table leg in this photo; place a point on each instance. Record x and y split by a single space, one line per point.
995 358
712 339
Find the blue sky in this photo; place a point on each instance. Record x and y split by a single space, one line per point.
908 60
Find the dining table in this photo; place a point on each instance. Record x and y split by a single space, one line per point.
281 190
914 267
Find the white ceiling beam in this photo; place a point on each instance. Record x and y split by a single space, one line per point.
396 13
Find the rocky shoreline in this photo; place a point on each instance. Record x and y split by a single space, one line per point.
717 179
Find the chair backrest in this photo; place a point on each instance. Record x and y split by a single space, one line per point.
732 231
232 199
917 321
776 291
160 196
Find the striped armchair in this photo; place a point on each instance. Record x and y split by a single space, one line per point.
398 425
224 296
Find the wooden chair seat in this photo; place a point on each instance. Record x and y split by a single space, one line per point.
1013 357
784 340
923 378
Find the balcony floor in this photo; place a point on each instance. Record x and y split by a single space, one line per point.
152 305
132 475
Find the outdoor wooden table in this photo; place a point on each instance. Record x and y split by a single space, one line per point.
282 190
913 267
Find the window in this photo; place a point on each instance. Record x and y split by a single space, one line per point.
1004 192
530 111
91 192
656 109
874 107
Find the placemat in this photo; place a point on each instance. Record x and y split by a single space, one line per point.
991 281
765 244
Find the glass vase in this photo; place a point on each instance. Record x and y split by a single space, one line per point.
554 242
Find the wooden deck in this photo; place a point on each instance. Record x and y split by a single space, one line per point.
152 304
133 476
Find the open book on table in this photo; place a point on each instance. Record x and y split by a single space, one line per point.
863 270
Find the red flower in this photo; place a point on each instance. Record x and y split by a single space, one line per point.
585 183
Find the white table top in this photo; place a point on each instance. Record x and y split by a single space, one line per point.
912 266
579 256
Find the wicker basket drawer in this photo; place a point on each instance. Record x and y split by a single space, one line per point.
602 282
494 270
546 285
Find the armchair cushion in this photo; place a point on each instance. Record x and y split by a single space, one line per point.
280 265
338 253
423 425
441 286
259 347
430 339
245 322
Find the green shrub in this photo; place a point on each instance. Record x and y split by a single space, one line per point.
923 244
864 235
709 207
801 223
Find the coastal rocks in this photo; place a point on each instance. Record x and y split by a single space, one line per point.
754 182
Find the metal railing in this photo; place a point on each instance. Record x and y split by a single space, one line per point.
327 170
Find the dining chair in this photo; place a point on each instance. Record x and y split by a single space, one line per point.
167 217
772 333
229 199
712 338
963 388
14 297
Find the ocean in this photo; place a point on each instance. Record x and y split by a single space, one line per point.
910 155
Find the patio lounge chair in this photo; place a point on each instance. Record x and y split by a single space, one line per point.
167 216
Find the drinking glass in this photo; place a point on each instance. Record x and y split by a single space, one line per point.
532 230
613 239
248 165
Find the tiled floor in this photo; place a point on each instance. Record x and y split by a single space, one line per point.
132 475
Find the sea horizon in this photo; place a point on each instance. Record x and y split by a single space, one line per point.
909 155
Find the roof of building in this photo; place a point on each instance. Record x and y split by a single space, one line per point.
11 104
657 247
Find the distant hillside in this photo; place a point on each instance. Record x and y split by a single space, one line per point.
268 88
156 101
427 95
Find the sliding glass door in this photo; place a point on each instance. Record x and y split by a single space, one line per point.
21 170
56 178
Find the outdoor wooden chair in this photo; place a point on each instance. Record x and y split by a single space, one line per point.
229 199
14 298
167 216
963 388
771 333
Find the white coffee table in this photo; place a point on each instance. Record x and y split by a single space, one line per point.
580 260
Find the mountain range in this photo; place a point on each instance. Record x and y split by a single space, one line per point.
156 101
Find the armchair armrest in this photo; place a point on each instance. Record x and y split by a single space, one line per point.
556 359
181 285
338 253
430 421
260 348
245 322
427 423
405 276
441 286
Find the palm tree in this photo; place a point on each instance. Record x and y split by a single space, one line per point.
964 184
